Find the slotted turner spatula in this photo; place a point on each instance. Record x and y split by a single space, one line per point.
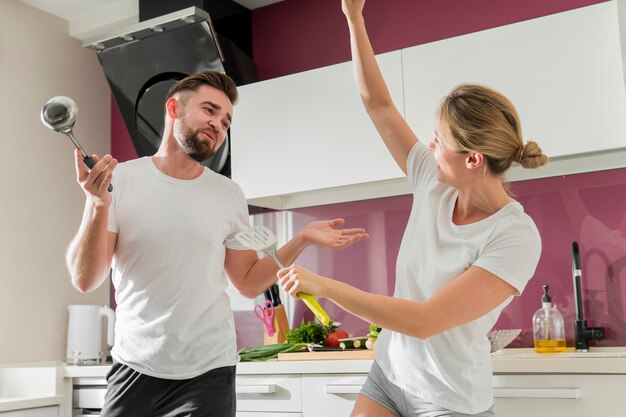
262 239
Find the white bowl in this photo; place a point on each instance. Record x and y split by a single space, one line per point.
502 338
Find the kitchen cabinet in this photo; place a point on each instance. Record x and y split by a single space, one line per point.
264 395
33 412
542 395
525 383
307 132
326 395
567 83
305 139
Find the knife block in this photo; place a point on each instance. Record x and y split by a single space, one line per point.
280 325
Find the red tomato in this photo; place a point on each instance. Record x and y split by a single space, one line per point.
332 339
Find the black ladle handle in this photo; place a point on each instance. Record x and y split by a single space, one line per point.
90 162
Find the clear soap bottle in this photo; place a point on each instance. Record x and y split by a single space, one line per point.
548 327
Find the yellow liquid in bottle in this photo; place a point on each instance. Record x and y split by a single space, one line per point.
550 346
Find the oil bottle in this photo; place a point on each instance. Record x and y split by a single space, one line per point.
548 326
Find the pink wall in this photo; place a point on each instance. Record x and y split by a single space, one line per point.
298 35
121 145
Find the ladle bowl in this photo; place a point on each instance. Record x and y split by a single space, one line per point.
59 114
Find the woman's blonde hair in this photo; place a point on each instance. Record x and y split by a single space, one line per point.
483 120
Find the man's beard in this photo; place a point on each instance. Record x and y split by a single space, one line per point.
199 150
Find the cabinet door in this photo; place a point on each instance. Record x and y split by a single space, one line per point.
309 131
563 72
33 412
330 395
559 395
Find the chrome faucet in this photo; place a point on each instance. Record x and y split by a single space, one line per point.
582 333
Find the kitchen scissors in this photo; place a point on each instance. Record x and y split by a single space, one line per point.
266 315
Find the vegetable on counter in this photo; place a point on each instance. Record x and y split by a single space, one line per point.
372 336
334 334
352 343
309 332
374 331
265 352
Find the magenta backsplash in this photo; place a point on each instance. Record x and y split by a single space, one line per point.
588 208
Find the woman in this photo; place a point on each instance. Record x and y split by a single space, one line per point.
467 250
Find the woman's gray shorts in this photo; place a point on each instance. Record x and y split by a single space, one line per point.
378 388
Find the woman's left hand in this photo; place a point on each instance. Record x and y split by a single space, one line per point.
325 234
295 279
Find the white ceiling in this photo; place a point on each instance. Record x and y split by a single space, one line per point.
89 18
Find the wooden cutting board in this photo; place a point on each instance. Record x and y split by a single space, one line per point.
362 354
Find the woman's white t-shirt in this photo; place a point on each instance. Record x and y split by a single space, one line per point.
173 317
452 369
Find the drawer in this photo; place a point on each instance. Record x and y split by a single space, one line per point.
269 393
261 414
574 395
330 395
89 397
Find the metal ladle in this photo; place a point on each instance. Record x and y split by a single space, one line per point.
59 114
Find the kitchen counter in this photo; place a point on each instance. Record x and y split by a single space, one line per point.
597 361
30 386
43 384
610 360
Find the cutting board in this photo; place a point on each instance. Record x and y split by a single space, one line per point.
363 354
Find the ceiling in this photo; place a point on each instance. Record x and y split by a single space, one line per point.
89 18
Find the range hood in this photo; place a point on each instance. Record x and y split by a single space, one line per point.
143 61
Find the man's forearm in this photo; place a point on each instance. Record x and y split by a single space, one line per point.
87 256
263 274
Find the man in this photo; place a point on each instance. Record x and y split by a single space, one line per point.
168 230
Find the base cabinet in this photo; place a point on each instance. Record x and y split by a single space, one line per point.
571 395
308 394
269 395
516 395
33 412
330 395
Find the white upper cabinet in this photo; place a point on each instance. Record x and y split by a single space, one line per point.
305 139
563 72
309 131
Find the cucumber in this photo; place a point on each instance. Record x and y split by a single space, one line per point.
352 343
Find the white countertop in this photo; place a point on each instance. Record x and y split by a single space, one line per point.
597 361
17 391
30 385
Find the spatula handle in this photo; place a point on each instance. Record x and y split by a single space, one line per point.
315 307
308 299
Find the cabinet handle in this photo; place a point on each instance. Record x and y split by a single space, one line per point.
343 389
561 393
256 389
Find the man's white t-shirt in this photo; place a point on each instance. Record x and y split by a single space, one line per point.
173 317
452 369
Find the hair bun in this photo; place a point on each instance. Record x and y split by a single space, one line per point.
531 156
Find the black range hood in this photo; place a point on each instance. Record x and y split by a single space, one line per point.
142 62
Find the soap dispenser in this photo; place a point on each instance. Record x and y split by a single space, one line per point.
548 326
